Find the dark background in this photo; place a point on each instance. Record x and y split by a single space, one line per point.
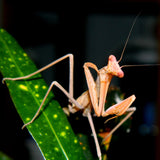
91 31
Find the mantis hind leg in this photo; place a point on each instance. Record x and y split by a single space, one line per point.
45 97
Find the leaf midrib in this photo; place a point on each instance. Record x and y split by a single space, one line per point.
30 90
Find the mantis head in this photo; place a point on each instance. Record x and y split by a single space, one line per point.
114 68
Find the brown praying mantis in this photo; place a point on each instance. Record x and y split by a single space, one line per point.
96 94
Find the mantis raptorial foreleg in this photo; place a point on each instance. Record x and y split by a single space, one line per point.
130 111
98 91
75 103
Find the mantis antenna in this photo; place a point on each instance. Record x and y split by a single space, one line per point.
140 65
128 37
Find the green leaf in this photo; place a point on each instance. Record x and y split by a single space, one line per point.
84 142
4 157
51 129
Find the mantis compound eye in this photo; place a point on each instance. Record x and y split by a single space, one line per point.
120 74
112 58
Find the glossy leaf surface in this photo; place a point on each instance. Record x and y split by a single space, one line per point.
51 129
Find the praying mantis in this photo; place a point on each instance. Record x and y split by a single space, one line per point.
94 97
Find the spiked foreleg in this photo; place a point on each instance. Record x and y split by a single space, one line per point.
120 108
130 112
